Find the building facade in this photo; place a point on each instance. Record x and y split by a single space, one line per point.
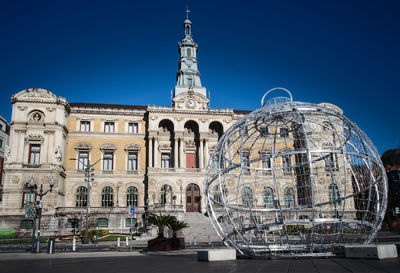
109 157
4 141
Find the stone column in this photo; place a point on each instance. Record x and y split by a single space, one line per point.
201 154
150 152
156 152
207 153
176 153
183 165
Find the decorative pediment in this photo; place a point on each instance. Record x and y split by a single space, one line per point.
34 138
108 147
132 147
34 93
83 146
190 101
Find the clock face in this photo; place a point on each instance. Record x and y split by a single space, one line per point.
190 103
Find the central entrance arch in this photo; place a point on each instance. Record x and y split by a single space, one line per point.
193 198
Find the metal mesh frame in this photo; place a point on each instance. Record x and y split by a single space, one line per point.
313 151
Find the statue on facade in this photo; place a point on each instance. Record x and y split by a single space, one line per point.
58 154
168 196
7 153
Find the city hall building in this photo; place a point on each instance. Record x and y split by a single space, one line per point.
115 156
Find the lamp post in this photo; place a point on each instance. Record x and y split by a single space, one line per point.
89 176
32 185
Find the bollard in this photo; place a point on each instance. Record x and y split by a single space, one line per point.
194 240
118 242
74 244
50 246
209 239
126 241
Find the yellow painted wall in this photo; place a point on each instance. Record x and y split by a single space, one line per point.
97 141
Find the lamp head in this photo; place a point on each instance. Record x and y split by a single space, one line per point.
32 182
52 181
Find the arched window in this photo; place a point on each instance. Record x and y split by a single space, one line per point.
102 223
131 196
166 194
289 197
28 196
268 197
217 194
107 197
334 194
247 197
81 197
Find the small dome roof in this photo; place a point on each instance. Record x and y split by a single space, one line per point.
187 21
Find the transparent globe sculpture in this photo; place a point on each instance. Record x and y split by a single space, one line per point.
294 178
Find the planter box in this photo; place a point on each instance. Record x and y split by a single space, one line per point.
166 244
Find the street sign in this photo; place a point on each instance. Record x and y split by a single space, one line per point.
30 210
132 210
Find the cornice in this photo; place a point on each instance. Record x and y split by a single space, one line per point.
109 112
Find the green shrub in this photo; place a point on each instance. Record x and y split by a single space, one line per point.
7 233
92 232
141 230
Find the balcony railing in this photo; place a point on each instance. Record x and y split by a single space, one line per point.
176 170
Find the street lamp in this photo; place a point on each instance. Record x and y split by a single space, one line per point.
89 176
32 185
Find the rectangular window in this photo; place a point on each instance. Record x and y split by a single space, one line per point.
27 224
132 161
108 159
85 126
246 162
190 82
130 222
1 143
266 164
189 52
109 127
263 131
284 132
34 154
83 159
165 160
287 163
132 128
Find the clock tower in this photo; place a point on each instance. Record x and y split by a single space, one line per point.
188 75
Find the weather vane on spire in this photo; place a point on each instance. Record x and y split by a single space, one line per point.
187 11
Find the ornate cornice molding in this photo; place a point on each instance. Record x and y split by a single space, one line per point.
34 138
108 146
83 146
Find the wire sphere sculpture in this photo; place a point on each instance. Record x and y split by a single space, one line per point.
294 178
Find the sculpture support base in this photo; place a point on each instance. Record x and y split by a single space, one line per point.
211 255
371 251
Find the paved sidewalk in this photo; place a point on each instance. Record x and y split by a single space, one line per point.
117 262
65 255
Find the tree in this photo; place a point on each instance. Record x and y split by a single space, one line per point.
391 158
175 225
161 221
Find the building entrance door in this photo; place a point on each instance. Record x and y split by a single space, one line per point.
193 198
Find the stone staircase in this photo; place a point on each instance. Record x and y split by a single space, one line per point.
200 228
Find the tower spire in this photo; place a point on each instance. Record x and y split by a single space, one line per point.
188 75
187 11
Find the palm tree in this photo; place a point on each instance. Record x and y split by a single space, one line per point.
175 225
161 221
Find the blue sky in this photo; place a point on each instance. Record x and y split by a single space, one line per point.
125 52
